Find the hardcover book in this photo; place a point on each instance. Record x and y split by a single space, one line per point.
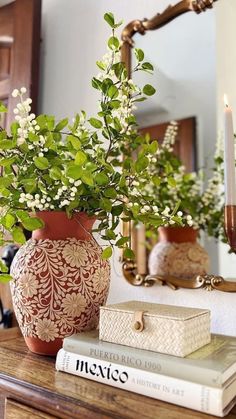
211 400
213 365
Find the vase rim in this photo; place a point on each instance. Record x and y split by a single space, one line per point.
178 234
58 226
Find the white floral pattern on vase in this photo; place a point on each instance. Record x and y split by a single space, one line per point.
183 260
58 286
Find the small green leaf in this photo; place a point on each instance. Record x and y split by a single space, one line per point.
110 234
41 121
147 66
122 241
4 278
96 83
41 163
141 164
29 184
106 204
118 68
55 173
110 193
115 104
171 181
117 210
33 137
75 172
87 178
109 18
76 144
8 221
113 92
96 123
149 90
80 158
7 144
107 253
153 147
3 108
62 124
139 54
8 161
6 181
3 267
101 179
128 253
156 180
22 215
113 42
18 235
101 65
33 223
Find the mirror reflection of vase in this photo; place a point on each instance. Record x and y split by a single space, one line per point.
178 254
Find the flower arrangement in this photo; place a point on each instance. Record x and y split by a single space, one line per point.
168 183
79 166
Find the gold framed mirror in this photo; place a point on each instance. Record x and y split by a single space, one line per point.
131 269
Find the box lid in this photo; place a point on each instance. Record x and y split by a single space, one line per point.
157 310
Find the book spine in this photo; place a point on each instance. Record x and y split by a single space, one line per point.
172 390
152 362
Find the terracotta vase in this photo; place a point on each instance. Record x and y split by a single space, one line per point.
178 254
59 281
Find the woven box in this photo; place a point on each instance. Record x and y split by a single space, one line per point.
156 327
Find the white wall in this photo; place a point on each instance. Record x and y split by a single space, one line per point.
226 76
74 38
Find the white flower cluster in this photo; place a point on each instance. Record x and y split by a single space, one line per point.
169 137
36 201
25 119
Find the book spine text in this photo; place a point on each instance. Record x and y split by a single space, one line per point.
172 390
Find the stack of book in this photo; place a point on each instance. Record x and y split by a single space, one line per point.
204 380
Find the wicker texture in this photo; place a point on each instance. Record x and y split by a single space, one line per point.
168 329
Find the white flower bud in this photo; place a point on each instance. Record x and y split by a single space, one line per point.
78 182
15 93
23 90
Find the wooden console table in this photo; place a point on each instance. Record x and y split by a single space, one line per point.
30 388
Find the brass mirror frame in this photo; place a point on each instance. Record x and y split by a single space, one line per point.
129 267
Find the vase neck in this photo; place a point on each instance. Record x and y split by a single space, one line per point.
57 226
178 234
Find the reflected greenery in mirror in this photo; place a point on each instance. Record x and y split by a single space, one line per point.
199 206
200 93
